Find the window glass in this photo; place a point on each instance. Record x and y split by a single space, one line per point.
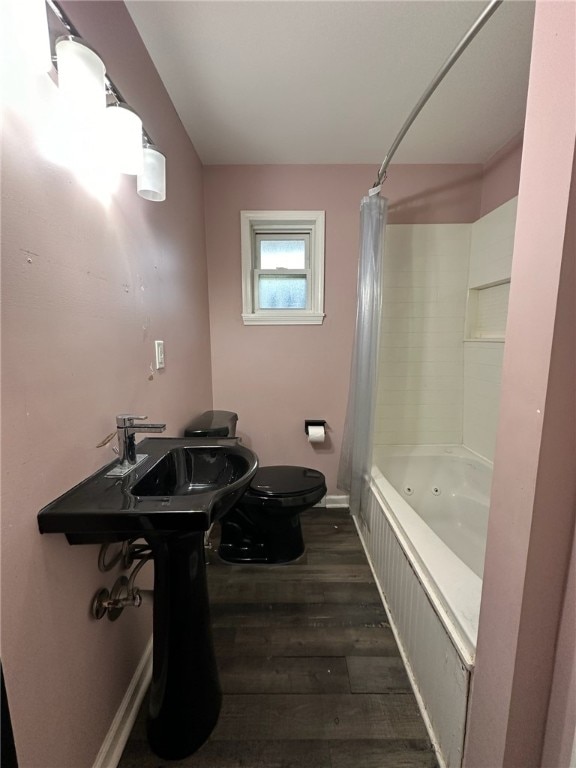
282 291
283 254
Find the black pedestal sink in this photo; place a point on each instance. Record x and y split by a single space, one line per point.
170 500
185 694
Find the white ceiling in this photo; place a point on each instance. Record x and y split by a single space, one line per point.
332 81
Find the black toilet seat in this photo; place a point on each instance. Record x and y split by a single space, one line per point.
284 481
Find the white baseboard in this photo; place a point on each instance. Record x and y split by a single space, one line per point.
334 501
121 726
338 501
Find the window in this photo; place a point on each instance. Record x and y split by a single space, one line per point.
282 267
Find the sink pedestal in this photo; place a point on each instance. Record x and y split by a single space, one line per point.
185 694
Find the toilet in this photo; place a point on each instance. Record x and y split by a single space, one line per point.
264 526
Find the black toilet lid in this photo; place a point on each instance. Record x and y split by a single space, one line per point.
286 481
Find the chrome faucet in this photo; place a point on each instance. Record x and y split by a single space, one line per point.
126 429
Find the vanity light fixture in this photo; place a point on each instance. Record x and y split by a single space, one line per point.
95 107
124 138
151 182
81 77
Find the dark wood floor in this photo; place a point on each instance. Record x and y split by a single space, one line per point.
311 674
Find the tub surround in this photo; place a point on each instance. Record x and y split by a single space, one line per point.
482 383
419 398
438 384
492 244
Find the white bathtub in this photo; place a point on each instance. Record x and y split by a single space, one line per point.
449 491
425 533
437 499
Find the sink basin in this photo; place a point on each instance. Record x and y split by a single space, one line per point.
192 470
185 484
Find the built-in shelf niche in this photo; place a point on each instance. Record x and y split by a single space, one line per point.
486 312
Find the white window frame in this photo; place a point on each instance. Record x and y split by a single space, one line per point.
254 223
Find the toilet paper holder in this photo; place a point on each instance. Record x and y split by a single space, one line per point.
314 423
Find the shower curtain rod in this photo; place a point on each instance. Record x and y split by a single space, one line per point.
442 72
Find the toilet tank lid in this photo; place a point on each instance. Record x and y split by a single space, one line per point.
213 424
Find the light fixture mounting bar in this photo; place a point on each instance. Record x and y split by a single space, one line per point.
111 89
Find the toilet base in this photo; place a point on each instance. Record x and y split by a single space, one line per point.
256 537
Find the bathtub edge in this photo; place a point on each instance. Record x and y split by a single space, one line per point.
463 645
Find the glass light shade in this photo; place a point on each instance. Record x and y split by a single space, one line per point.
151 183
81 76
124 138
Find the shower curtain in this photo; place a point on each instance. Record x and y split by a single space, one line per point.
356 456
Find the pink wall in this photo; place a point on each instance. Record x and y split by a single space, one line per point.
560 736
501 176
532 516
277 376
86 290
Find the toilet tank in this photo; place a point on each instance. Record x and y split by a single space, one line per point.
213 424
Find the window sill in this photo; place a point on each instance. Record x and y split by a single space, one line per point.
284 318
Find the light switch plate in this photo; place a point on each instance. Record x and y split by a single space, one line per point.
159 354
